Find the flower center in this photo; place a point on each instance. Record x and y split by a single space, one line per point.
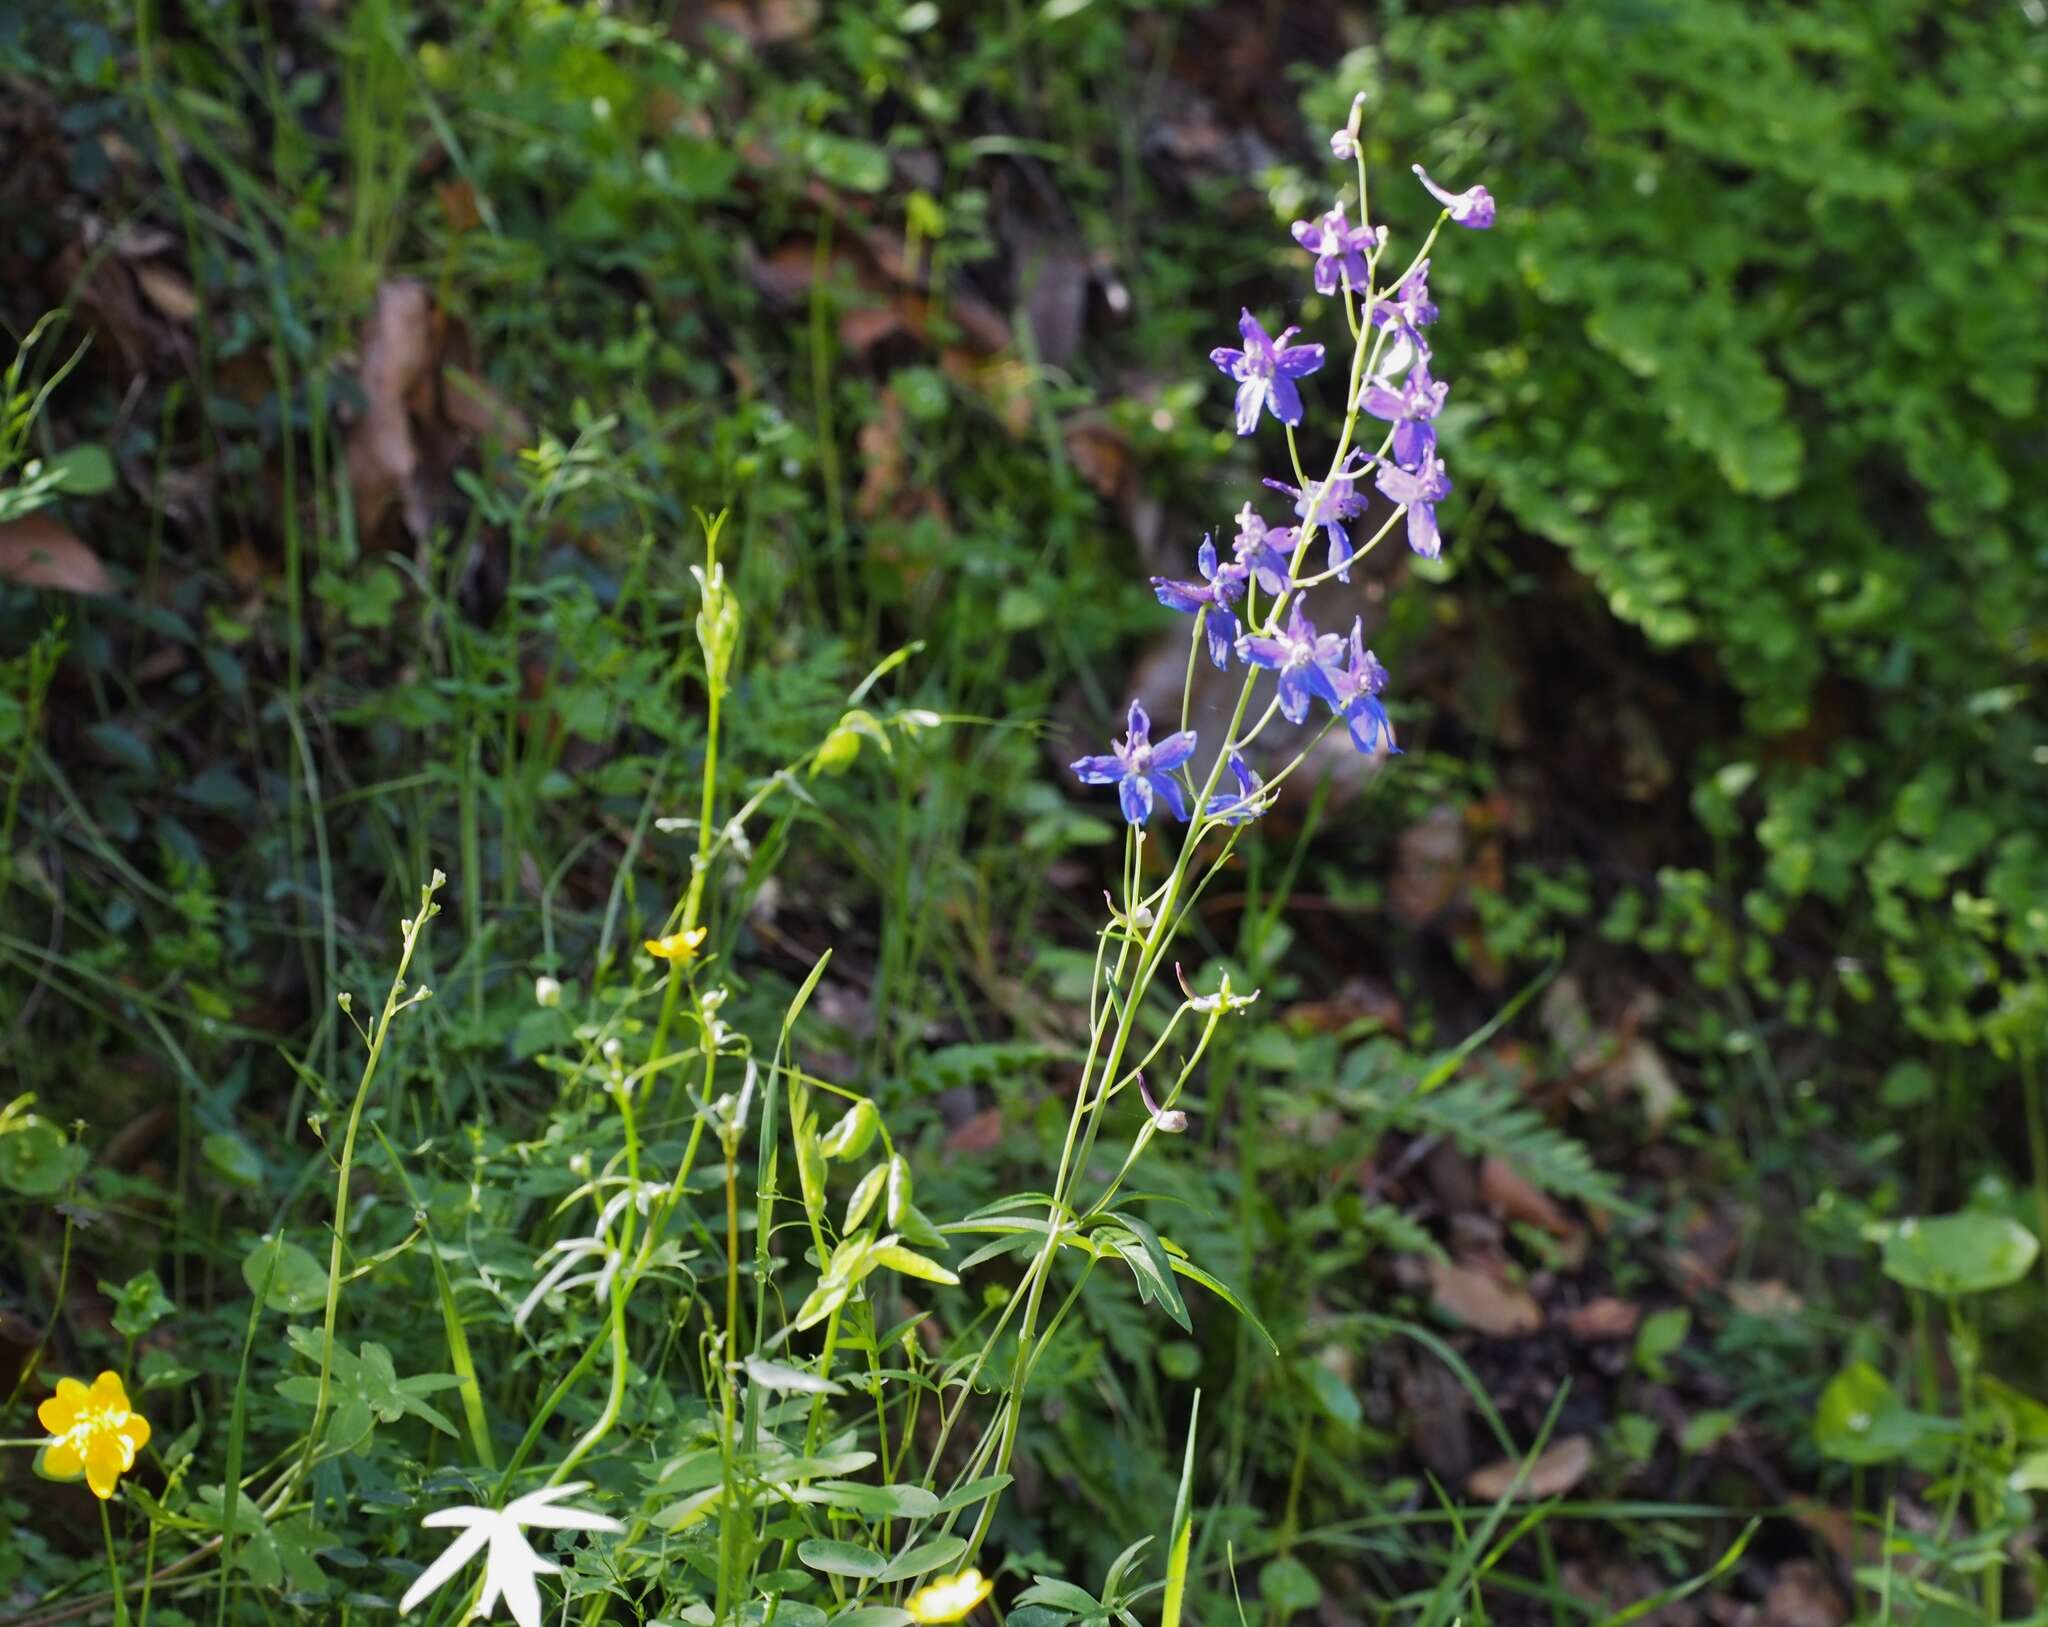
92 1422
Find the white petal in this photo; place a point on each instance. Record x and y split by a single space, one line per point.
452 1558
523 1598
572 1519
465 1514
555 1273
518 1508
487 1601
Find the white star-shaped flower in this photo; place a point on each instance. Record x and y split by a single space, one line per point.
511 1565
575 1251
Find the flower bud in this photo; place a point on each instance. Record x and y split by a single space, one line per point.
547 992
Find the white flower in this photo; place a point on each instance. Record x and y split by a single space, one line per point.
1223 999
546 992
511 1565
574 1251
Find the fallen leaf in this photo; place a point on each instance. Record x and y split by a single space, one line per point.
1101 455
458 205
1501 1186
1602 1319
979 1133
169 292
767 22
1004 383
383 459
1054 272
1428 867
1554 1473
1800 1595
1482 1302
866 326
1641 1067
880 443
1767 1298
38 552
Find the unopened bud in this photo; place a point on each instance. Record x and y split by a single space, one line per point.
547 992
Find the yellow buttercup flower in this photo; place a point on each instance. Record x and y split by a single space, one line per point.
94 1429
678 947
949 1598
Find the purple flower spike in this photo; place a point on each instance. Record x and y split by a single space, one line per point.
1339 501
1410 412
1410 308
1220 587
1471 208
1421 489
1259 551
1140 771
1249 802
1339 247
1265 371
1362 710
1309 663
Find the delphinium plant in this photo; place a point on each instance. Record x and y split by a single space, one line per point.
705 1285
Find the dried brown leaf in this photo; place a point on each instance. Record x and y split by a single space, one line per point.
1429 869
1554 1473
383 458
169 292
1482 1302
1769 1297
1602 1319
1504 1188
39 552
1800 1595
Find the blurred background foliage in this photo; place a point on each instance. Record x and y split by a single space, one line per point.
417 331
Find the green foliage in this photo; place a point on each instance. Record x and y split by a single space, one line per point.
1485 1116
1765 360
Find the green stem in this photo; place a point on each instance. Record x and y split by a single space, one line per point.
113 1566
393 1004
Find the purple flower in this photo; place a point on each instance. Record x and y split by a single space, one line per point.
1472 208
1309 663
1219 588
1410 412
1362 710
1421 489
1334 501
1140 770
1265 371
1410 308
1259 551
1247 805
1338 246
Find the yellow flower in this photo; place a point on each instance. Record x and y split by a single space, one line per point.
949 1598
94 1430
677 947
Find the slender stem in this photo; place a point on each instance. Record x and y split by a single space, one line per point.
395 1001
113 1566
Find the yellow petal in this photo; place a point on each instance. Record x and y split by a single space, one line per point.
949 1598
107 1391
60 1411
106 1456
135 1431
677 946
63 1461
